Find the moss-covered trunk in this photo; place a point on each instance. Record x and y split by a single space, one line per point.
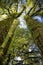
7 40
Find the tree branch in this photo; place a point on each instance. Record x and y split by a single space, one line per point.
30 10
18 15
37 11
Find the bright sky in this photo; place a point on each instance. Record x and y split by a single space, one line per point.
39 18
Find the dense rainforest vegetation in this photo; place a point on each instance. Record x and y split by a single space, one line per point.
21 32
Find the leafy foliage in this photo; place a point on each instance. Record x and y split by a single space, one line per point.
16 42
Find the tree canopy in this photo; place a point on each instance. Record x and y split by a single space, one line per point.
21 37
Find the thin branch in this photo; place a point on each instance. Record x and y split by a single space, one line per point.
37 11
30 10
4 7
19 14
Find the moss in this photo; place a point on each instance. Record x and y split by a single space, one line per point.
4 28
6 43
